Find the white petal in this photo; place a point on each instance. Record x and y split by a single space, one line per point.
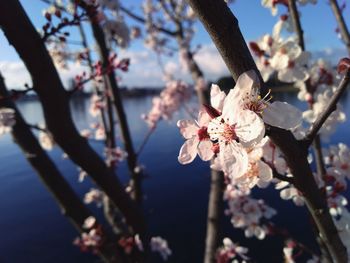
217 97
188 128
234 159
279 61
203 118
282 115
251 129
265 172
188 151
204 150
247 85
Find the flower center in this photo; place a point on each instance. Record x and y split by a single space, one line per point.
229 132
257 103
203 133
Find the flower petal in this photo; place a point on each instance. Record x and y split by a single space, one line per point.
217 97
203 118
204 150
188 151
250 128
188 128
282 115
234 159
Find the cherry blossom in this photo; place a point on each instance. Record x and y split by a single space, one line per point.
46 140
321 102
115 156
94 196
290 62
197 139
229 251
246 96
290 192
169 101
160 246
246 212
7 120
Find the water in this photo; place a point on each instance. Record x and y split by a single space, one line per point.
176 196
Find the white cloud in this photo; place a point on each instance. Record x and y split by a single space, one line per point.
144 70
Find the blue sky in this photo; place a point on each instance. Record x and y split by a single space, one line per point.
317 20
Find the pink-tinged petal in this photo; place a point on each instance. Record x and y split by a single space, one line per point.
259 233
265 172
188 128
282 115
203 118
247 85
234 159
288 193
217 97
279 61
188 151
216 165
250 128
205 151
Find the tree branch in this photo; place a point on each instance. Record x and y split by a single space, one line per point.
296 22
112 85
341 23
332 106
143 21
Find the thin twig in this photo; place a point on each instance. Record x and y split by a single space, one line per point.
332 106
145 140
341 23
143 20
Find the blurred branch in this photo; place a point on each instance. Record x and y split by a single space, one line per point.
112 85
332 106
341 23
143 21
296 22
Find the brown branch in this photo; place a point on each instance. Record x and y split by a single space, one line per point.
341 23
112 85
47 84
296 22
332 106
143 21
223 28
70 204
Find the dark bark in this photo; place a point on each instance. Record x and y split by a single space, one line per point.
23 36
70 204
344 31
223 28
111 82
293 11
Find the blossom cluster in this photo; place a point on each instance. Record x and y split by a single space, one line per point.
92 239
231 252
175 94
234 127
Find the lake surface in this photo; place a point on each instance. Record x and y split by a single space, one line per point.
33 229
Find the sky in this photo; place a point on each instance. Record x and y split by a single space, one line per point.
317 20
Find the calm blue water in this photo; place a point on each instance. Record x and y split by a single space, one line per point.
33 230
